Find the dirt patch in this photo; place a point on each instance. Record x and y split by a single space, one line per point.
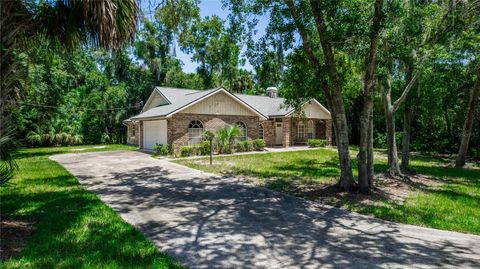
14 236
385 189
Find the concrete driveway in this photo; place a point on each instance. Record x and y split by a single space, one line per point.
212 222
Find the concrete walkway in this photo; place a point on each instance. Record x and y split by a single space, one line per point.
211 222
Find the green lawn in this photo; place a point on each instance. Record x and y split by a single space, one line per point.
454 205
73 228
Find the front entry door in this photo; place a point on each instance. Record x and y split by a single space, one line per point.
278 133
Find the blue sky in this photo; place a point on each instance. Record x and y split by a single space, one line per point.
209 8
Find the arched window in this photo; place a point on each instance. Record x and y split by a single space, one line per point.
195 132
310 129
260 131
243 131
301 130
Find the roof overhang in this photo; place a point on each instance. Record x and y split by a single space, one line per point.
149 100
307 102
219 90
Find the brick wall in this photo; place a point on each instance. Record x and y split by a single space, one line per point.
269 132
178 126
287 136
133 139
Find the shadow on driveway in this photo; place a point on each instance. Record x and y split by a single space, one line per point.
208 221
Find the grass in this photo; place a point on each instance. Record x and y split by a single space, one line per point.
73 228
454 205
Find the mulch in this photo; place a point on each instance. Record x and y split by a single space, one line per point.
386 188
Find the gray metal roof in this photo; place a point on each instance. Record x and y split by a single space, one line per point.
179 98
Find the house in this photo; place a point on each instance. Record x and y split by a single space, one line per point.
180 116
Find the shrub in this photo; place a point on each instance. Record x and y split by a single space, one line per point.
315 143
34 138
204 148
244 146
186 151
48 138
258 144
163 150
77 139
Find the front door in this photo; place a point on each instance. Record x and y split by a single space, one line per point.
278 133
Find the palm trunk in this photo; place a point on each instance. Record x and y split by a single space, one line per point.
467 127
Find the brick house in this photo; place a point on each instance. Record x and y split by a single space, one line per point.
180 116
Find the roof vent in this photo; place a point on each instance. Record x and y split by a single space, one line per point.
272 92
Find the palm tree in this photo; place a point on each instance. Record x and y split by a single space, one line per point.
68 24
226 137
7 162
64 24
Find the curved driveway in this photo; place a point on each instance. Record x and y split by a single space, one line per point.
207 221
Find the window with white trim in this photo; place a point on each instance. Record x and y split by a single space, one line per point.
310 129
195 132
301 130
260 131
243 131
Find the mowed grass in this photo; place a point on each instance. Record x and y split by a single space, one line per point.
453 205
73 228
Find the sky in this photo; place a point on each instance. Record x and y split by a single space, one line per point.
210 8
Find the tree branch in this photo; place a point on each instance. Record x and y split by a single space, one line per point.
307 45
406 91
370 60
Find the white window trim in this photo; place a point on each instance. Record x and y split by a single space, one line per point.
310 129
244 135
195 134
301 135
260 128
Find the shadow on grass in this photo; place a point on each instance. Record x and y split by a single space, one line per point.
75 229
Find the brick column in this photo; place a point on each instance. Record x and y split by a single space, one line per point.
328 132
286 132
140 132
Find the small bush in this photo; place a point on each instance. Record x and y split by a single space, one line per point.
315 143
186 151
226 149
244 146
77 139
48 138
163 150
204 148
258 144
34 138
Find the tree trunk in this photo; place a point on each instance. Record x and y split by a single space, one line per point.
364 145
407 123
393 167
467 127
365 154
341 130
333 94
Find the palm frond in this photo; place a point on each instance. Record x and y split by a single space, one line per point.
7 162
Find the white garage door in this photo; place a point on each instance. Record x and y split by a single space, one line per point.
154 132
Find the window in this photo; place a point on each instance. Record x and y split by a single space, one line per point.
243 131
301 130
260 131
311 129
133 129
195 132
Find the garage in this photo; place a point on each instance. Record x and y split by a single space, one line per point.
154 132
